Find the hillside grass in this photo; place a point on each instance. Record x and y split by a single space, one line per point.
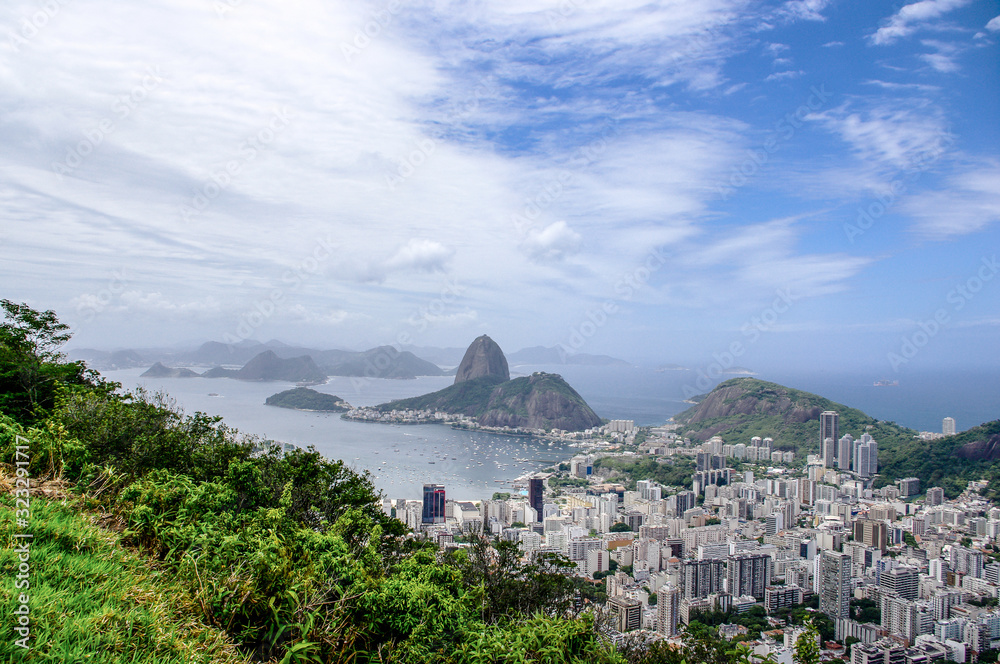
93 601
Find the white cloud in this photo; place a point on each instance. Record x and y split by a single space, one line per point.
420 254
552 243
912 17
994 24
970 204
784 75
900 136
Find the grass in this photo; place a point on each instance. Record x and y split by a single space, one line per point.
93 601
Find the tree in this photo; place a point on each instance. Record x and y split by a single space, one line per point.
620 527
30 362
806 646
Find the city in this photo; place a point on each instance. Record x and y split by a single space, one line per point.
893 575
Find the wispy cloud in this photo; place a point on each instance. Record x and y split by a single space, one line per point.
913 17
969 204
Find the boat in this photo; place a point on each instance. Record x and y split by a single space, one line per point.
885 382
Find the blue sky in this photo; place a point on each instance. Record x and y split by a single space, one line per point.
813 181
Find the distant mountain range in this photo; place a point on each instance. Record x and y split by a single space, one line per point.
379 362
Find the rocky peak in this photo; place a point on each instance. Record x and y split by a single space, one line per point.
483 358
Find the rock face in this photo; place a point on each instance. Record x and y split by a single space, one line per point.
985 449
538 401
750 397
483 358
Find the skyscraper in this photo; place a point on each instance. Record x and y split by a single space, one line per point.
835 584
845 451
536 497
829 451
865 456
748 574
668 601
434 503
702 577
948 426
829 426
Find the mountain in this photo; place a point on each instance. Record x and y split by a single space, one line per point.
303 398
443 357
483 390
104 360
383 362
160 371
741 408
213 353
268 366
555 355
482 358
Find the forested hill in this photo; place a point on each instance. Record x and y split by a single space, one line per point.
741 408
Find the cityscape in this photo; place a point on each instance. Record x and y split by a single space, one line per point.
757 534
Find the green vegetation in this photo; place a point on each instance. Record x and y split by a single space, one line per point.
303 398
227 553
671 471
90 597
560 481
466 397
620 527
866 611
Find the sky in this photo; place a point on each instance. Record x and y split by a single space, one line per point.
810 183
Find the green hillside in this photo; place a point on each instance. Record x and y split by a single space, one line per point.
741 408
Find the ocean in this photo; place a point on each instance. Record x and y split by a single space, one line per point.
473 465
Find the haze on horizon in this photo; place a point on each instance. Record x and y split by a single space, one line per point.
814 180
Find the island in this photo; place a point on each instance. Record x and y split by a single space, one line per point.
304 398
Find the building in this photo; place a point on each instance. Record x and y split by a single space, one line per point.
948 426
845 451
782 597
835 584
865 456
749 574
935 496
899 616
902 580
829 452
908 487
829 427
536 496
701 578
626 613
668 600
885 651
871 533
434 504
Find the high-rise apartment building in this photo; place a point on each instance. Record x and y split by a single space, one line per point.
845 451
748 574
536 496
835 584
829 452
871 533
626 613
902 580
948 426
829 426
434 503
865 456
701 578
668 600
935 496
